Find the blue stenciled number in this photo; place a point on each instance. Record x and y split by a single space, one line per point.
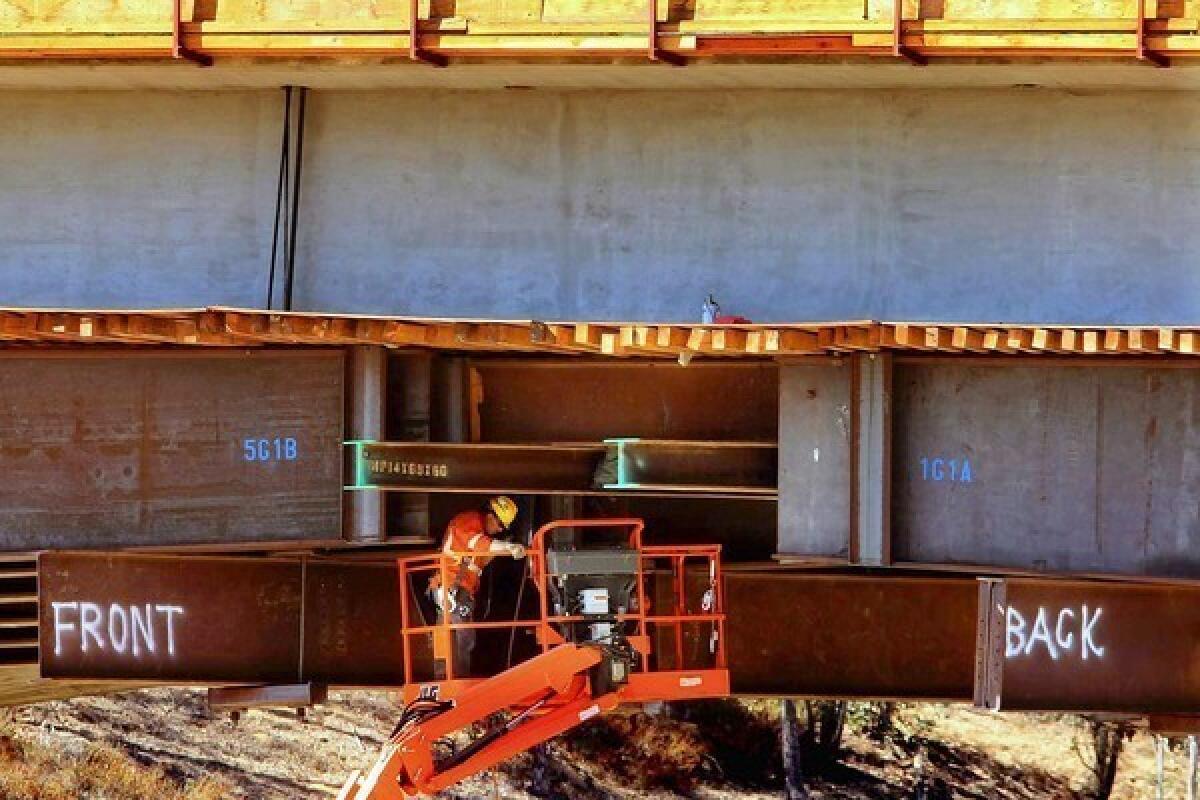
278 449
955 470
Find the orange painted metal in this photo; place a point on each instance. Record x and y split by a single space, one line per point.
553 691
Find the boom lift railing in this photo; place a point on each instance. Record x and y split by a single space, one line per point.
668 644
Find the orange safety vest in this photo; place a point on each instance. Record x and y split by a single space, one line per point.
466 533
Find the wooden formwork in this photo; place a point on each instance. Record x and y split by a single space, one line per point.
671 31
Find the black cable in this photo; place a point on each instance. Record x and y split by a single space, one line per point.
491 587
512 634
280 189
290 271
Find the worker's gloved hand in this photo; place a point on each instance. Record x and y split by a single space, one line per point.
516 550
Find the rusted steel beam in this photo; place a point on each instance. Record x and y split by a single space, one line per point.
112 616
232 620
364 517
795 633
241 698
750 467
1015 644
629 465
1055 645
424 467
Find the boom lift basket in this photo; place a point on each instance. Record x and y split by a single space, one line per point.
616 622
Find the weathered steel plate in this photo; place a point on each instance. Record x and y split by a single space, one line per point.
850 636
1058 469
171 618
815 445
545 401
169 448
1054 645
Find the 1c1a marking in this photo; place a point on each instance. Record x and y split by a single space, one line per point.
281 448
952 470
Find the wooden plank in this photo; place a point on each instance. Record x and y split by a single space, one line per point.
18 644
777 9
571 11
742 26
1023 25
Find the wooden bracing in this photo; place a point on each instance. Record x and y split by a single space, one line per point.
230 327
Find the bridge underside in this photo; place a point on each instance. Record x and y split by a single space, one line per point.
966 513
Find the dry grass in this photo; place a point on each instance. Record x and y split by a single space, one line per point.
164 744
33 771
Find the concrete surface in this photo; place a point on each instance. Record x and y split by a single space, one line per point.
1026 205
121 199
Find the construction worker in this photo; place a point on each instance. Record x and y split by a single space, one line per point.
472 539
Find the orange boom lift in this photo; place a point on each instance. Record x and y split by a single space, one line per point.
617 622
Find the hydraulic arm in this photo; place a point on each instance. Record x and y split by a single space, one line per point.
599 647
551 695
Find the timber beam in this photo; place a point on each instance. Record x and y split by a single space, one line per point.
1144 53
179 50
415 51
899 48
654 50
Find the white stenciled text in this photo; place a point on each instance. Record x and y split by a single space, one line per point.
125 629
1060 633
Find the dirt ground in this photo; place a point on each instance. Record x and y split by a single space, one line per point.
713 755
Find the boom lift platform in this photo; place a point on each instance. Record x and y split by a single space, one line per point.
617 622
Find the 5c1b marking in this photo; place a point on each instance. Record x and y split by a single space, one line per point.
281 448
